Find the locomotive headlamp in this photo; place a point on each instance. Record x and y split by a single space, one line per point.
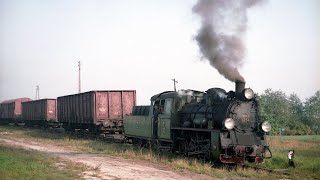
266 126
248 93
229 123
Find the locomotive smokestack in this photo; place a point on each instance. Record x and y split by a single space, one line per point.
240 85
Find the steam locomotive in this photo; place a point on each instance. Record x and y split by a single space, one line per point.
214 125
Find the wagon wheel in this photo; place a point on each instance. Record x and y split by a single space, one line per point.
156 144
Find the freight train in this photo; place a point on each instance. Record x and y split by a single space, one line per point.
215 124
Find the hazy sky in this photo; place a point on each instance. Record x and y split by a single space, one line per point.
143 44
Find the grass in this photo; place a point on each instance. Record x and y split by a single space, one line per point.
307 155
16 163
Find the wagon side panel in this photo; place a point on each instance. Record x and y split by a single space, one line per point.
51 110
128 101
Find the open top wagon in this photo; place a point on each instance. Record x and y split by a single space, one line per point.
96 111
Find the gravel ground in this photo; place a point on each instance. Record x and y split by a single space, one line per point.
102 166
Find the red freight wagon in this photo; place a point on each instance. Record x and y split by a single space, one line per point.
10 110
96 110
40 112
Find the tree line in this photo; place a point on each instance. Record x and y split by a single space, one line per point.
289 115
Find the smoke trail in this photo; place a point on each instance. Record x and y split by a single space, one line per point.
223 24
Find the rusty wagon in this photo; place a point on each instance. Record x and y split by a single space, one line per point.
40 112
11 110
96 111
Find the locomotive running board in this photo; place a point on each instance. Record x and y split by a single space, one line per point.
192 129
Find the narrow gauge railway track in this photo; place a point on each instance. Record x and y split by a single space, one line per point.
261 169
117 138
235 167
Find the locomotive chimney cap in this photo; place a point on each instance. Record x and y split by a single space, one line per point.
240 86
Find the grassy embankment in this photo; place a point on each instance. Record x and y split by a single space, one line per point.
307 154
16 163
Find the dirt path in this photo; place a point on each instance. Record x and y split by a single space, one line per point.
104 167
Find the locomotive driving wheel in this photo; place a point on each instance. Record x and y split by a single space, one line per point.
192 147
182 147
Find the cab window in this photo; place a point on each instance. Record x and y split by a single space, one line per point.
168 106
164 105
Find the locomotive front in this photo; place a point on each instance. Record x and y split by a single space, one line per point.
242 134
230 122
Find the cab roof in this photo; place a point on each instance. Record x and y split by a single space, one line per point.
171 94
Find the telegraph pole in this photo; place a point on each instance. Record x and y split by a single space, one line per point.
174 84
79 88
37 92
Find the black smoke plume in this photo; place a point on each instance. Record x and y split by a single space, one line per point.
223 25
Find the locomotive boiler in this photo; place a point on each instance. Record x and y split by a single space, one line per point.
215 125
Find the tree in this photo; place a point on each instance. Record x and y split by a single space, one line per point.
297 125
284 112
295 107
312 111
274 107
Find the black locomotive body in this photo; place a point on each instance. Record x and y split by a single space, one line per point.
225 126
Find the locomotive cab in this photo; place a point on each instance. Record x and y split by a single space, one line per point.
161 116
165 107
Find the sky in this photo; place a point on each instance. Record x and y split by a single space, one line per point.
143 44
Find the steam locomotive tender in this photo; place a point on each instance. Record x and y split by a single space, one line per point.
215 125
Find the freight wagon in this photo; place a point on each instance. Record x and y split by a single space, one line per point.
40 112
96 111
10 110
